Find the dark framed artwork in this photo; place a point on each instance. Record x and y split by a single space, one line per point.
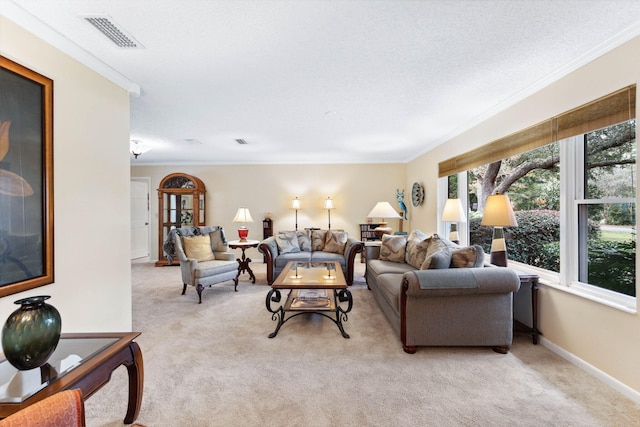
26 178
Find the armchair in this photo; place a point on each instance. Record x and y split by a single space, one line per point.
203 255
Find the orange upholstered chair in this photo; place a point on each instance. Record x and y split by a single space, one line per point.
63 409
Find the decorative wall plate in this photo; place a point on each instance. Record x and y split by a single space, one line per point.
417 194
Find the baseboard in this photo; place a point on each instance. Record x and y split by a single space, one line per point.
592 370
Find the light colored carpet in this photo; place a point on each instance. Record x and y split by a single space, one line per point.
212 364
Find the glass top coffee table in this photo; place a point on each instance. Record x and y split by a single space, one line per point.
314 287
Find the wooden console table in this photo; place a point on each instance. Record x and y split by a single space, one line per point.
83 360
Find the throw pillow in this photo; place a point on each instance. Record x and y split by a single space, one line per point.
336 240
318 238
304 241
287 242
417 245
438 254
469 257
393 248
198 247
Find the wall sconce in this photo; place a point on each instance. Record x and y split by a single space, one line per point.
454 214
498 213
243 216
138 147
328 205
295 204
383 210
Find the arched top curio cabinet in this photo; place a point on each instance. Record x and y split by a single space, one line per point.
180 204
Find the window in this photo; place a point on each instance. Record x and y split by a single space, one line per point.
593 178
606 210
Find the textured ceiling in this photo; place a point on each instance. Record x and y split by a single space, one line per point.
331 81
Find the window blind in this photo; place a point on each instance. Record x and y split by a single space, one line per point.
609 110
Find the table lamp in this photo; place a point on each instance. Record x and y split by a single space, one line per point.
383 210
498 213
454 214
295 204
243 216
328 205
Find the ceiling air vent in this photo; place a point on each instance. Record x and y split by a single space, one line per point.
241 141
113 31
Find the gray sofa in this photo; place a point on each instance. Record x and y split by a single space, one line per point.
442 306
312 245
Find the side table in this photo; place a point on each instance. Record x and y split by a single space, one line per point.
81 360
533 280
243 263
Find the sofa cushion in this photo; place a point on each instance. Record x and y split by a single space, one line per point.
304 240
287 242
282 259
318 238
417 245
327 256
438 254
393 248
198 247
377 267
335 241
469 257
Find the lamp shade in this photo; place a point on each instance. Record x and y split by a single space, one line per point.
243 215
453 211
295 204
498 212
328 203
383 210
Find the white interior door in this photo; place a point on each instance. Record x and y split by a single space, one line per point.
139 219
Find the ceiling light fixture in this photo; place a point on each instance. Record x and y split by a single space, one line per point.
138 147
113 31
241 141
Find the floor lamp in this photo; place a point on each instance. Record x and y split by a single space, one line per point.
328 205
295 205
498 213
454 214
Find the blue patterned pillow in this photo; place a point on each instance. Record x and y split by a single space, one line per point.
287 242
393 248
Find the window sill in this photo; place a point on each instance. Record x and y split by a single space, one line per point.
620 302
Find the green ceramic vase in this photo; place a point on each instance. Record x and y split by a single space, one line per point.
31 333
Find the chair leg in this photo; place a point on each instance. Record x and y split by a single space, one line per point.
199 288
235 284
184 288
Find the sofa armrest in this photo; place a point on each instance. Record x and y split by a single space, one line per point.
351 248
269 247
460 281
224 256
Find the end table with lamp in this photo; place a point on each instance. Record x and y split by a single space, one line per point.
243 263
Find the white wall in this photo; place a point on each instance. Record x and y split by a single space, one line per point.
602 336
270 188
92 271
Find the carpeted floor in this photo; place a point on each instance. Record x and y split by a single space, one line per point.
211 364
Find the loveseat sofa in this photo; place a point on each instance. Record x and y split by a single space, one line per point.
309 246
435 293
